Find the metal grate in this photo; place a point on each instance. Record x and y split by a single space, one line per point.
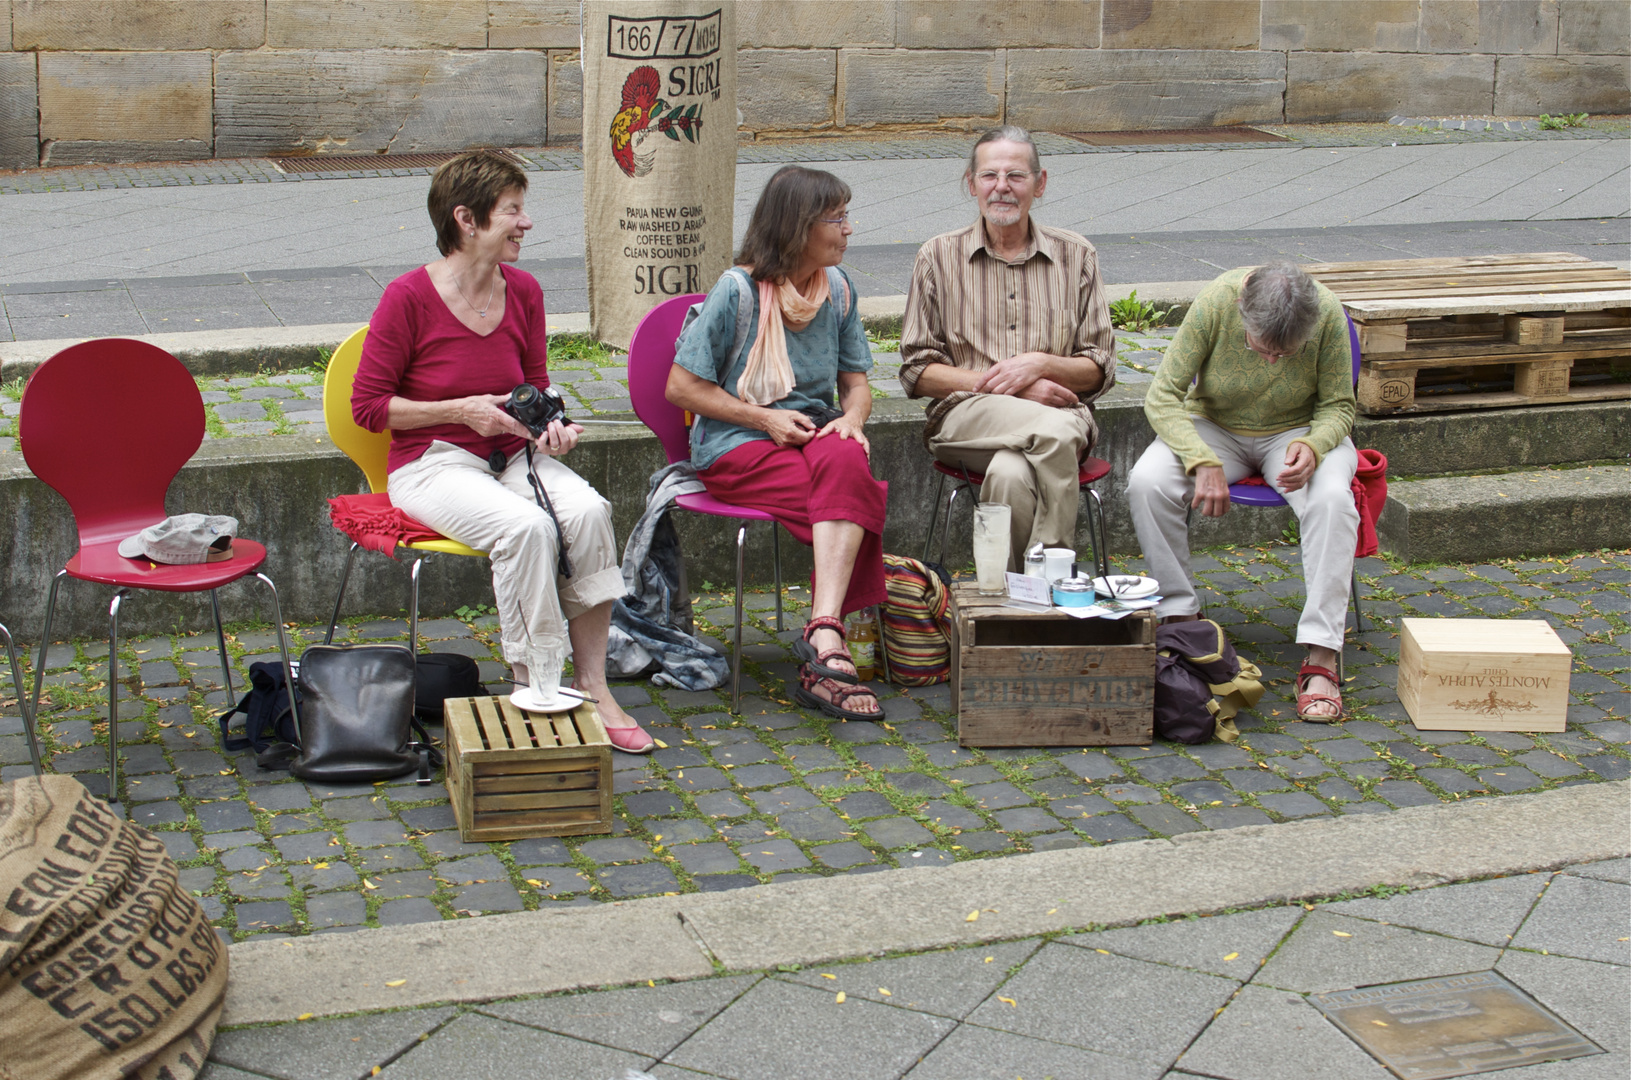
1176 136
313 163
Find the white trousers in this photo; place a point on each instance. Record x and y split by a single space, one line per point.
454 492
1160 492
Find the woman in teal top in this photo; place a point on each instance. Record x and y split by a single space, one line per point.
768 434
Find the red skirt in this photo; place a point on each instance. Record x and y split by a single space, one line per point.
826 479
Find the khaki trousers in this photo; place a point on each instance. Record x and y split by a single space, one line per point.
1031 456
1159 493
454 492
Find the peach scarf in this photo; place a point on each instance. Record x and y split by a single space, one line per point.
768 376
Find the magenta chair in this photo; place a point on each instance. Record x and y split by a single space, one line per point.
114 471
651 355
1093 469
1253 491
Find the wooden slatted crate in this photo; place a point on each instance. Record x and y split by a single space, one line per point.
1486 332
1021 678
513 774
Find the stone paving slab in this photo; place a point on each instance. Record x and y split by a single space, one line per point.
1039 1007
781 793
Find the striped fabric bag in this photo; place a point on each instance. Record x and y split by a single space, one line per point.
916 631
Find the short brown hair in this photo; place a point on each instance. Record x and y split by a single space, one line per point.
789 207
474 180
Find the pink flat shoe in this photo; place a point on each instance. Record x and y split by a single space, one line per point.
632 740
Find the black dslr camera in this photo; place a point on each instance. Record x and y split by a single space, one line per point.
535 408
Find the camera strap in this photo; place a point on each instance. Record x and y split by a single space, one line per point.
563 565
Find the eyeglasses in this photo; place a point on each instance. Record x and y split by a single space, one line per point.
846 218
1015 178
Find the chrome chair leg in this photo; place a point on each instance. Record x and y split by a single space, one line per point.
113 696
1359 619
22 702
283 647
934 516
221 642
1099 540
334 620
736 665
413 608
776 548
45 642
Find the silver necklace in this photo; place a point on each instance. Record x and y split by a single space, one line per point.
481 312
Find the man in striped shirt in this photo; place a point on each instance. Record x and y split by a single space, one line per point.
1007 328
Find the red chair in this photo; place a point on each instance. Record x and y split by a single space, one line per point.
114 469
22 701
1093 469
651 355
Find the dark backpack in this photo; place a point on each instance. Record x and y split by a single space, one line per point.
916 631
1193 662
269 727
439 676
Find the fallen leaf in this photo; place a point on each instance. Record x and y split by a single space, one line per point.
1052 910
535 883
368 884
824 975
1339 933
1106 952
320 866
989 959
1232 956
884 992
660 744
394 983
1010 1001
840 998
975 914
304 1016
1380 1023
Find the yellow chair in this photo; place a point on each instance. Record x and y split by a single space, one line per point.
369 449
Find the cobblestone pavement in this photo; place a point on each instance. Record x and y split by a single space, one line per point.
1228 996
732 802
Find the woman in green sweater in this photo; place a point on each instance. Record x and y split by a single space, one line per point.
1259 379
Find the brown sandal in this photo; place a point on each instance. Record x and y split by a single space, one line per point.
805 694
1305 698
817 661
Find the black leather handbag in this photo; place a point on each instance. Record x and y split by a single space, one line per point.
356 715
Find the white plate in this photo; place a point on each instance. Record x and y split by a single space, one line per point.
562 701
1126 587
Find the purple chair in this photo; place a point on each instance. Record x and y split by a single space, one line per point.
1245 493
651 355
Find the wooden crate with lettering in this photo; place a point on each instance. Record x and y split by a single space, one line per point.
513 774
1021 678
1483 675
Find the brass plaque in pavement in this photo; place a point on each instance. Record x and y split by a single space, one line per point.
1452 1026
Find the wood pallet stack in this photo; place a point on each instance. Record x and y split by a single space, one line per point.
1495 330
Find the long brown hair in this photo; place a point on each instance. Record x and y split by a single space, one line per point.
789 207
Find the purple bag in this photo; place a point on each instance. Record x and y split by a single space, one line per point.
1193 662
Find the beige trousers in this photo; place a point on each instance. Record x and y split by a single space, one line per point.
454 492
1031 457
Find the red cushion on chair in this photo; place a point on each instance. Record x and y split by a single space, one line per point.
1093 469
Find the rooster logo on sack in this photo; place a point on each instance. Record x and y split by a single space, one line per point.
643 112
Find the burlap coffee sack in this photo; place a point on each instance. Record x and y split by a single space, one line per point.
108 967
659 154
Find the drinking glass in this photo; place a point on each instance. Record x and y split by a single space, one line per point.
546 654
991 522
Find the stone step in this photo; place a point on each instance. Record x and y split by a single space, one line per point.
1544 512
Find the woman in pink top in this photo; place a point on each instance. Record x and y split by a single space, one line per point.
447 344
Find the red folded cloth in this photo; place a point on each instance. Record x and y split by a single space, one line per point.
373 522
1370 496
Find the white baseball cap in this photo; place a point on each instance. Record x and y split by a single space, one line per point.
183 539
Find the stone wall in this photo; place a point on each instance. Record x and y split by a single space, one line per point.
136 80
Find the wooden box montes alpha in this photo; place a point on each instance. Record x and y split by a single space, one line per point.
513 774
1483 675
1021 678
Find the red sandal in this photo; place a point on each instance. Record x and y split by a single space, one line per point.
1305 698
817 661
804 694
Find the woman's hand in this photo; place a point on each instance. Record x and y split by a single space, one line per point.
484 414
1300 465
848 427
787 427
1211 492
557 439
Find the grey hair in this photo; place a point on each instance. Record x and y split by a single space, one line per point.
1280 304
1006 133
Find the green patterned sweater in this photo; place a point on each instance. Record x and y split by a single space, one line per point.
1208 371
